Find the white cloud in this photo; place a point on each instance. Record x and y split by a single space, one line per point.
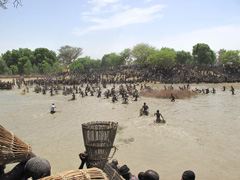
130 16
217 38
98 5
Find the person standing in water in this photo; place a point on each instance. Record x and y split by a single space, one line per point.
172 98
53 109
158 120
232 89
145 109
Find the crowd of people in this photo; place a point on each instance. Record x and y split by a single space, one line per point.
125 83
37 167
126 174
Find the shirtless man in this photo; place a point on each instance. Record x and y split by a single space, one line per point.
158 120
145 109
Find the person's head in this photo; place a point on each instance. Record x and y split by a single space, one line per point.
37 168
125 172
52 103
141 176
188 175
158 111
114 161
151 175
144 103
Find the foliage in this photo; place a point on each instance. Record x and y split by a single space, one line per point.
203 54
231 57
126 56
43 55
35 69
56 67
105 61
183 57
141 52
220 54
162 58
68 54
19 61
14 69
76 65
28 68
46 68
112 60
85 63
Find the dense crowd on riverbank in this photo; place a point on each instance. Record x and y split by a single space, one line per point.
140 74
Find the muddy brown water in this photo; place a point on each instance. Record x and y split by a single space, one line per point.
202 133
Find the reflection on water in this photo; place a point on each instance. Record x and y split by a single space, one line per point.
201 133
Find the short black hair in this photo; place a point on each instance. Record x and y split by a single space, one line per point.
188 175
151 175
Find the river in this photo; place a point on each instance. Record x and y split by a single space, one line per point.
201 133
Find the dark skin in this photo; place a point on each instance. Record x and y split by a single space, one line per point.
17 173
158 114
151 175
83 156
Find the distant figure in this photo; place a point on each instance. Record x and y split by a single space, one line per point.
224 88
188 175
52 109
151 175
114 98
232 89
172 98
73 96
144 110
213 90
158 120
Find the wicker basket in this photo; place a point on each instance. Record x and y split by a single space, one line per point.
83 174
98 139
112 174
12 148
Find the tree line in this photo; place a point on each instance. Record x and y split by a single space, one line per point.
45 61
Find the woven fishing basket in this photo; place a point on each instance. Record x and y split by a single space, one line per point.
98 139
12 148
111 173
88 174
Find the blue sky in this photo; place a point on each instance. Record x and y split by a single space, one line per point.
104 26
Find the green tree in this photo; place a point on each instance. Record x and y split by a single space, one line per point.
105 61
203 54
28 68
220 54
183 57
126 56
141 52
3 65
43 55
232 57
68 54
76 65
56 67
14 69
46 68
88 63
162 58
21 63
35 69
